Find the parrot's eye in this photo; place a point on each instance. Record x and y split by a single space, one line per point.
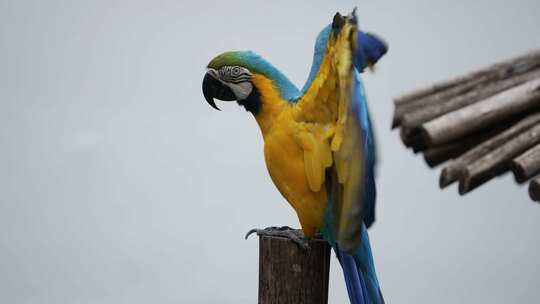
234 74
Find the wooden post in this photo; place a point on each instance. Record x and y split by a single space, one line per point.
290 274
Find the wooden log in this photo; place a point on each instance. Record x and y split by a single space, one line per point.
423 92
289 274
443 85
534 189
418 116
460 85
436 98
412 139
522 98
498 160
527 165
438 155
435 156
454 169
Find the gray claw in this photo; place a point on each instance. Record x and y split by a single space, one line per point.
295 235
250 232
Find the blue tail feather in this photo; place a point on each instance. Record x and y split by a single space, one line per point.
356 285
359 273
358 270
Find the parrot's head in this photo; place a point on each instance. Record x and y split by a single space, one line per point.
231 76
227 78
245 76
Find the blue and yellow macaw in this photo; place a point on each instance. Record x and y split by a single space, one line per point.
318 143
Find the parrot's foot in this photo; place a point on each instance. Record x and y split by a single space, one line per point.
295 235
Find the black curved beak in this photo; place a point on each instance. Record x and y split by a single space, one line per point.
213 88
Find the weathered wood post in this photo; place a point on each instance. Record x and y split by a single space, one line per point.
290 274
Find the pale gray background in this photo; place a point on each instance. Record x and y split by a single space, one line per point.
120 185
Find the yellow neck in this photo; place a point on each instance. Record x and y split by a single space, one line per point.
271 102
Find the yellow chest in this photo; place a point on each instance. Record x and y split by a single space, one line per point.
285 163
285 159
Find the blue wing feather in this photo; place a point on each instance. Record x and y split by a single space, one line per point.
360 276
370 49
359 268
369 151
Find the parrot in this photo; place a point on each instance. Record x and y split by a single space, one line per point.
319 144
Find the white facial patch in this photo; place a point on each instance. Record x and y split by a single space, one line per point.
237 78
240 90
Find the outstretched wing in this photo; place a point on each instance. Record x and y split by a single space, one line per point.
334 132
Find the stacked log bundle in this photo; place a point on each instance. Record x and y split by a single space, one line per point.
478 125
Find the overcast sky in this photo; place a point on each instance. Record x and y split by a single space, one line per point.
119 184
